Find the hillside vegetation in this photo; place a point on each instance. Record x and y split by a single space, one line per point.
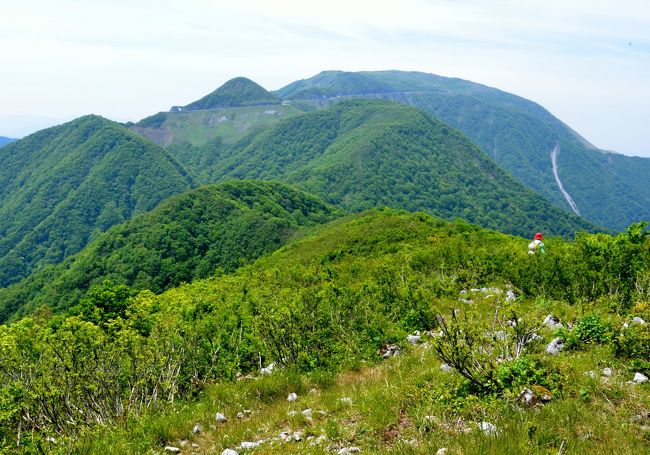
131 373
609 189
362 154
188 236
61 187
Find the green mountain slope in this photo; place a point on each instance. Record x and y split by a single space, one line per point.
62 186
608 189
236 92
133 374
362 154
186 237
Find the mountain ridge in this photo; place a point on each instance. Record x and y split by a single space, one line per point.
63 185
517 133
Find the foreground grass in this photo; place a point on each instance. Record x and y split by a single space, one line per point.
403 405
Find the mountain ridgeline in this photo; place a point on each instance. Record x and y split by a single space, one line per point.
188 236
608 188
61 187
362 154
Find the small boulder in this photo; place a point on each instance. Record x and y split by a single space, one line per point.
229 452
442 451
307 413
172 449
488 428
414 339
221 418
638 320
347 450
196 429
249 445
292 397
389 351
607 372
640 378
446 368
511 296
552 322
555 346
527 396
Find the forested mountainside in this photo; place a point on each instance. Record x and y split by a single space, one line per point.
188 236
386 330
608 188
62 186
362 154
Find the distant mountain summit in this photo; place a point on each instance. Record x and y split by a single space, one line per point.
237 92
541 151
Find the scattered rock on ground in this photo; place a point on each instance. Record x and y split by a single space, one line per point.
196 429
511 296
555 346
221 418
638 320
552 322
414 339
446 368
488 428
442 451
249 445
229 452
607 372
346 400
640 378
389 351
347 450
172 449
292 397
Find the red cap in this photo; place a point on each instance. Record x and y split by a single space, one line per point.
538 236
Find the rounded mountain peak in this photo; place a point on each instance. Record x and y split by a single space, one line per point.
237 92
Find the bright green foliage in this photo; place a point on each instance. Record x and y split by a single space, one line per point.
594 266
187 237
609 189
589 329
61 187
363 154
325 302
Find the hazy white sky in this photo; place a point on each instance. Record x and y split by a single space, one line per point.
587 61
